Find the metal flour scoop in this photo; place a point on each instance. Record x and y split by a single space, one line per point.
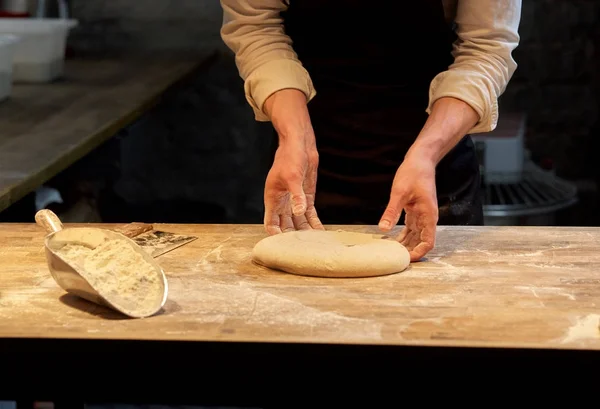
143 298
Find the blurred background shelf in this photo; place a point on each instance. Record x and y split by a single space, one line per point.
48 127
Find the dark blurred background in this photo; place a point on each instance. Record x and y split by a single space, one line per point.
198 156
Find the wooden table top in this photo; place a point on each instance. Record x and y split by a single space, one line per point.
522 287
44 128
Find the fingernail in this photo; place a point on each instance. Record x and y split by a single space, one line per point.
384 224
298 209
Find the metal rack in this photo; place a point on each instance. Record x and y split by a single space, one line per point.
533 200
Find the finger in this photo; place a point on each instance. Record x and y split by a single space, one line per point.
298 204
410 242
301 223
426 238
310 188
411 221
392 213
428 233
390 217
271 222
313 219
403 233
420 251
286 223
310 181
426 221
298 197
274 207
407 238
426 225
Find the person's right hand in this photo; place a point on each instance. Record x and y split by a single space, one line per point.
292 181
290 187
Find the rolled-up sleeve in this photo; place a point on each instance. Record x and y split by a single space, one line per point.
253 30
483 63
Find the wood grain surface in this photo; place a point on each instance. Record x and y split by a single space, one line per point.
519 287
44 128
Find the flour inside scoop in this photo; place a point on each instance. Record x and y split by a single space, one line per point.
323 253
118 272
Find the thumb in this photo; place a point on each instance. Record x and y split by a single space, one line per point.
298 197
392 213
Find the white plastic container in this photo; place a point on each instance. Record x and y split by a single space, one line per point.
40 53
7 50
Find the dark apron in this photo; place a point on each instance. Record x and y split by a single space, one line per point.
372 64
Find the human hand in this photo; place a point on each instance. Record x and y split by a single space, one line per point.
292 181
414 191
290 187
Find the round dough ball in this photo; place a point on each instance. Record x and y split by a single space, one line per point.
322 253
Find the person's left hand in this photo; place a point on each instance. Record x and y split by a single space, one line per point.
414 191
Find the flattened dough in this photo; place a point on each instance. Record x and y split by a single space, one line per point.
331 254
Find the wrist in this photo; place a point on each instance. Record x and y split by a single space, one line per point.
287 109
448 123
423 154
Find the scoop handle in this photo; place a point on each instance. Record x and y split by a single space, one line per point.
48 220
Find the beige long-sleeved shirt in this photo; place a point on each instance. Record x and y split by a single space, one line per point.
487 33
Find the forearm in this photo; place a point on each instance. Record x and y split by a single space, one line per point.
483 63
254 31
287 109
449 121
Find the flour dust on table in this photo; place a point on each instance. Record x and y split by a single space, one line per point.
322 253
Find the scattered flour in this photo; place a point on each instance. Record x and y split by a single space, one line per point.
118 273
586 328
